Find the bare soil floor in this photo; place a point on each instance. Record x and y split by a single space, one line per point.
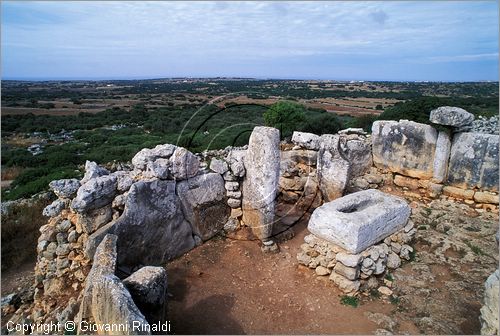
229 286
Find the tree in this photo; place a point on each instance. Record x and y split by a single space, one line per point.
286 116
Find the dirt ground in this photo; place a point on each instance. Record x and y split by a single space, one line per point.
229 286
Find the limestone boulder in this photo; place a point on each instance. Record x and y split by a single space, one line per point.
474 161
236 159
159 168
359 220
152 229
203 203
306 140
145 155
359 155
184 164
104 298
218 166
94 194
93 170
262 163
148 287
123 180
490 310
65 188
404 147
333 168
451 116
54 208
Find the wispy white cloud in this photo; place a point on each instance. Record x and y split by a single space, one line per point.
145 35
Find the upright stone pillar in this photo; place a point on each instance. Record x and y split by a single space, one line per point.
441 157
262 162
333 169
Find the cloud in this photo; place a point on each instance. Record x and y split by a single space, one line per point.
379 16
188 35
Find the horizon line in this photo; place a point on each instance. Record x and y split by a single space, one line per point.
135 78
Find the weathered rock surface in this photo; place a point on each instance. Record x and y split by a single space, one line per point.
65 188
359 220
203 204
93 170
54 208
451 116
94 219
152 228
306 140
490 311
262 163
145 155
184 164
404 147
359 155
219 166
105 299
441 157
474 161
333 168
148 287
94 194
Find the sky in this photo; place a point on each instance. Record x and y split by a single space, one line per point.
351 40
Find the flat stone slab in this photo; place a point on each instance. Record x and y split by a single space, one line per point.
359 220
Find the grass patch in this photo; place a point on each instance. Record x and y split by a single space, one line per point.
394 300
413 254
476 249
389 277
349 301
375 293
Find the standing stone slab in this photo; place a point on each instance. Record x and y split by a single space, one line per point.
333 168
152 228
262 162
474 161
203 204
359 220
442 156
404 147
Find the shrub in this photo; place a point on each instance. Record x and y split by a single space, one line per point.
349 301
286 116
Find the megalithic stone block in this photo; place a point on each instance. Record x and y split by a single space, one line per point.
262 162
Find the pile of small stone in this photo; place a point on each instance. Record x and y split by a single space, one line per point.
232 169
482 125
355 272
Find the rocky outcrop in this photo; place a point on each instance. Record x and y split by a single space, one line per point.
451 116
474 161
152 228
359 220
105 300
262 163
404 147
333 168
204 204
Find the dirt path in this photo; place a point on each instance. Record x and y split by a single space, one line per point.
230 287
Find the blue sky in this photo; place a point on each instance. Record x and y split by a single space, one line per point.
429 40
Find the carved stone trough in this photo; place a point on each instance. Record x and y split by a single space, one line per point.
359 220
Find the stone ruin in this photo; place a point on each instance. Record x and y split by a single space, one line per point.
107 233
